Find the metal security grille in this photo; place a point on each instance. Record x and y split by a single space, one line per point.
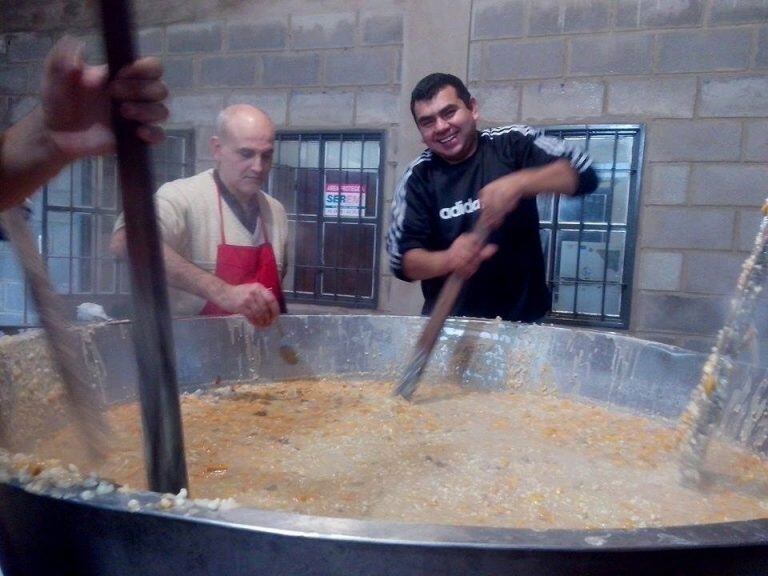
589 241
330 185
73 220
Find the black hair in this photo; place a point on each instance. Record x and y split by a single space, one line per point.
430 85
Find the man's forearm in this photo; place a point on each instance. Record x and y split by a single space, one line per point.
420 264
28 159
180 272
558 177
184 275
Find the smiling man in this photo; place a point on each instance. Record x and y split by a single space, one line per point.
224 239
491 176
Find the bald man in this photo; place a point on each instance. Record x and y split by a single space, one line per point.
225 240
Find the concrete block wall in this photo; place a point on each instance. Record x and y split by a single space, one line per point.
338 65
694 72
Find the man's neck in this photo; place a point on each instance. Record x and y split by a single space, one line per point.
248 200
248 213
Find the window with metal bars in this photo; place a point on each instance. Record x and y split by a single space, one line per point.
73 219
589 241
330 185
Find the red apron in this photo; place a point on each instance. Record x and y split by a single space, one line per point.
243 265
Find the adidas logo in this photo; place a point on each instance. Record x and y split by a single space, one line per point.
459 209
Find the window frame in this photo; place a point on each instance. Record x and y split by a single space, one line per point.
626 282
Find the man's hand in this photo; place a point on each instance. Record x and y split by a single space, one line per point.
499 198
467 253
74 118
253 301
76 101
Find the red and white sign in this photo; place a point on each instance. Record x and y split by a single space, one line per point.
345 200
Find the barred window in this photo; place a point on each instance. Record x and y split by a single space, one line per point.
589 241
330 185
73 219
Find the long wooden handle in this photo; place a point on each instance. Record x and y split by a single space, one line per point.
443 308
428 337
446 300
152 335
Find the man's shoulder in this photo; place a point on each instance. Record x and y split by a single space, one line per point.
423 160
274 204
511 131
195 186
421 164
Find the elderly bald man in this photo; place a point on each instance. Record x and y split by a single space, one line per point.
225 240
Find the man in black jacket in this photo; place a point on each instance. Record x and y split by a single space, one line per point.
467 175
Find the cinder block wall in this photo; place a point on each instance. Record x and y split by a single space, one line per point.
694 72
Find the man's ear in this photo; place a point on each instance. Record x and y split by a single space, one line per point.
474 108
214 145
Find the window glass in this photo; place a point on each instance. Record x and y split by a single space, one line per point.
288 154
571 209
106 224
59 188
82 234
176 149
59 234
601 148
310 154
371 155
619 194
82 278
107 277
352 155
624 152
544 202
333 154
82 184
58 270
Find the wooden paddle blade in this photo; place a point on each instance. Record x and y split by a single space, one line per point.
410 379
82 399
445 301
449 293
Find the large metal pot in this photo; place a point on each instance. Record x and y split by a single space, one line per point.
50 534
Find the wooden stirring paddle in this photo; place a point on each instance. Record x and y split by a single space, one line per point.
704 411
84 401
152 336
426 342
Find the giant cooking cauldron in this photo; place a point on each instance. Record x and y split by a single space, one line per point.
63 533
